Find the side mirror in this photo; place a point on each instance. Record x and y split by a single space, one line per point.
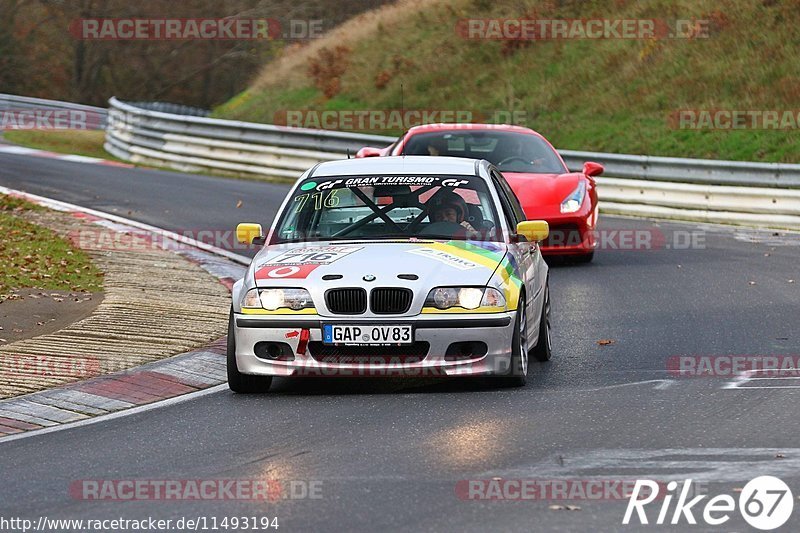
591 168
250 234
369 151
534 230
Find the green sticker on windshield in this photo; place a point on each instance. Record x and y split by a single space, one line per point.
308 186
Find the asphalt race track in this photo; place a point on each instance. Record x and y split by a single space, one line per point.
388 454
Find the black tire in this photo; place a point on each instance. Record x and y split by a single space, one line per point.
238 382
517 373
584 258
543 350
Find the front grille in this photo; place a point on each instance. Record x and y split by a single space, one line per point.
366 355
346 301
390 301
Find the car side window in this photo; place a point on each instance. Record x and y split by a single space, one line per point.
508 211
513 201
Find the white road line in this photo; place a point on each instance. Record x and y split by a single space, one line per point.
708 465
115 415
740 382
661 385
19 150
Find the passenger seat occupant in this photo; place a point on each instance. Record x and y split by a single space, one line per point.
437 147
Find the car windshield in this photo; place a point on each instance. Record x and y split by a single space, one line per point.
507 150
389 207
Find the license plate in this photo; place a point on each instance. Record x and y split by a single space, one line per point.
367 334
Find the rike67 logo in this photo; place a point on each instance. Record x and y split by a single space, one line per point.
766 503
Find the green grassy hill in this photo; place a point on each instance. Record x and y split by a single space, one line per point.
614 95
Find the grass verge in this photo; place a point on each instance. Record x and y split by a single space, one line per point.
606 95
77 142
32 256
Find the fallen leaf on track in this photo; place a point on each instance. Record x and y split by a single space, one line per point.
605 342
568 507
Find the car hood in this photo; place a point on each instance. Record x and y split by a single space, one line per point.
542 193
435 262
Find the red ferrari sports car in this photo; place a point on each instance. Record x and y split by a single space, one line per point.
544 185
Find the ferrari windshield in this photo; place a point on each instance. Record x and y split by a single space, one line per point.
389 207
507 150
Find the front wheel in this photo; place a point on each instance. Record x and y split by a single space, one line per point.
517 373
238 382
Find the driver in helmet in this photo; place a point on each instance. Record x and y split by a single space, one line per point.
513 148
450 207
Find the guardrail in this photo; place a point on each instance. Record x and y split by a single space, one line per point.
761 194
81 117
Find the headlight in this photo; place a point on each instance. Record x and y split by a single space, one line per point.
273 299
466 297
574 201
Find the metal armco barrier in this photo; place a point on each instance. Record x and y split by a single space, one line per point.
86 117
758 194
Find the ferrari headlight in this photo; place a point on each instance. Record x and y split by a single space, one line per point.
274 299
466 297
574 201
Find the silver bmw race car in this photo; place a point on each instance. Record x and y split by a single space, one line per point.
392 266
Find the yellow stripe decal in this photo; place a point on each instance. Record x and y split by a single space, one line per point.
509 278
246 311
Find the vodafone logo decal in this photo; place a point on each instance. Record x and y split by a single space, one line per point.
285 272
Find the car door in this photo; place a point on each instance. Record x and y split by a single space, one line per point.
526 254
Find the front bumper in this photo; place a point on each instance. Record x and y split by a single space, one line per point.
572 234
438 331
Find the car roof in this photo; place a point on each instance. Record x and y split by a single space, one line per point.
407 164
428 128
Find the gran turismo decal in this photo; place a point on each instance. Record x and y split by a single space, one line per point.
372 181
454 183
